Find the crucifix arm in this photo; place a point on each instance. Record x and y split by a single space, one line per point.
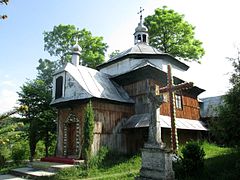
182 86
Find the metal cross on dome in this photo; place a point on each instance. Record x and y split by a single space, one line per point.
171 89
140 12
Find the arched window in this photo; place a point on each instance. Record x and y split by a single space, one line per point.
144 38
59 87
139 38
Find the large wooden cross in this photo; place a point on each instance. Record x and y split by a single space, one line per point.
171 89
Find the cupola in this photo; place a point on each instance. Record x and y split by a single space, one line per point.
76 52
141 32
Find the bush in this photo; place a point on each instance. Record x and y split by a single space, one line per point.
20 152
2 160
97 160
192 159
40 150
88 133
4 155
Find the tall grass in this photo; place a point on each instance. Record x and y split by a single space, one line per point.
221 163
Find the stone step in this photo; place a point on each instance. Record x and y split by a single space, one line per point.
49 166
10 177
30 172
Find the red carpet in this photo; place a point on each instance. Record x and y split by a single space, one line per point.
58 160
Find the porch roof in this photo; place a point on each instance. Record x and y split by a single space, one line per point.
142 120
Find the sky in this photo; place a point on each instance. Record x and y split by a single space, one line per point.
21 36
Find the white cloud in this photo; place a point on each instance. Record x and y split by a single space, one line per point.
9 83
8 100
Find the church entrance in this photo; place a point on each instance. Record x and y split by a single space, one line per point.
71 139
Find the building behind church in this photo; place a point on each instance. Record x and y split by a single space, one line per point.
119 90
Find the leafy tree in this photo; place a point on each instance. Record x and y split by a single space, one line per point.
12 130
46 69
37 95
114 53
60 40
4 2
88 133
226 128
21 109
170 33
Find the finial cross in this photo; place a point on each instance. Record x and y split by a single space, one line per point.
140 12
76 36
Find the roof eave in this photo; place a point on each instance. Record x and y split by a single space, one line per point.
137 56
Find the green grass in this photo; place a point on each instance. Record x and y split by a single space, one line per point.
221 163
113 167
10 165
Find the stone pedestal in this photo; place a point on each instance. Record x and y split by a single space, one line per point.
156 164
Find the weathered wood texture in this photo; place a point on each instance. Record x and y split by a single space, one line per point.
190 109
63 114
183 136
111 117
138 91
108 119
135 139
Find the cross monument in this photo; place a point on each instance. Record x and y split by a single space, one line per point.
171 89
154 132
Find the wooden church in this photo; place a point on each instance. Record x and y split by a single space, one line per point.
118 90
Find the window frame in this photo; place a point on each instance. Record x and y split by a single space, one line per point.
178 101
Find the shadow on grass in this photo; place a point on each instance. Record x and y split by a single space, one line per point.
223 167
114 158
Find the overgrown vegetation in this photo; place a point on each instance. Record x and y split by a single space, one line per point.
88 133
220 163
191 160
105 165
226 128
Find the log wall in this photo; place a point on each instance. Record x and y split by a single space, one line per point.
138 91
108 120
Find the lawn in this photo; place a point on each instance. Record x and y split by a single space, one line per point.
220 163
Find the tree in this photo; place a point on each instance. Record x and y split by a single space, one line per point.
170 33
88 133
226 128
4 2
114 53
37 95
21 109
60 40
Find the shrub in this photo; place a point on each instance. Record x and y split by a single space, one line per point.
192 159
97 160
20 152
4 155
88 133
40 150
2 160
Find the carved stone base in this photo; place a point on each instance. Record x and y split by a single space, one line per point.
156 164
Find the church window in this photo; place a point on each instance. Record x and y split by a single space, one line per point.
144 38
59 87
139 37
178 101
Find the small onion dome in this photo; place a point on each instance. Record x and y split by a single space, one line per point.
76 48
141 28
